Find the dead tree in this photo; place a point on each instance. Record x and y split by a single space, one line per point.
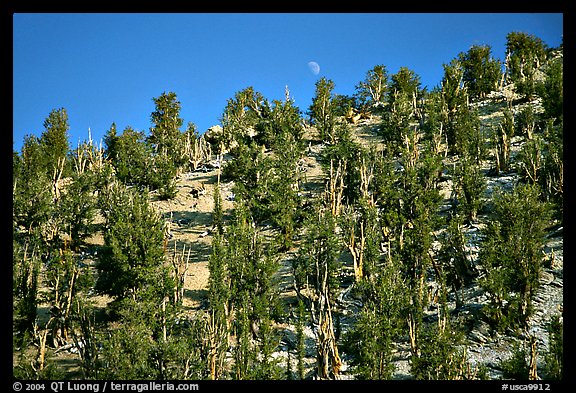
196 150
502 144
356 248
533 366
328 360
216 340
366 176
56 178
40 337
335 187
322 265
180 268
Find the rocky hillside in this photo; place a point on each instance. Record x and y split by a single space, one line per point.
190 212
189 233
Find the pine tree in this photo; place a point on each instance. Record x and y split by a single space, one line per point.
316 268
552 90
323 111
435 121
482 73
26 265
54 139
552 178
130 156
132 261
554 358
525 54
458 268
454 98
371 92
470 185
401 111
165 135
79 202
218 319
242 118
502 141
379 324
31 189
510 253
441 355
419 203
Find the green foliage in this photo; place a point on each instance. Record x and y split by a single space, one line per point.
552 90
168 144
242 117
462 123
482 73
525 54
404 91
218 285
282 127
269 183
318 252
26 370
242 290
554 358
381 204
552 179
502 139
441 357
26 274
371 93
343 104
361 232
453 88
300 338
435 120
323 110
54 139
525 122
405 82
469 135
131 264
516 366
457 264
129 155
32 197
219 298
250 267
470 185
379 324
163 176
510 253
138 163
454 106
127 351
347 154
78 204
165 135
530 160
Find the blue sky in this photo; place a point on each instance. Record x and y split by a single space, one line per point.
106 68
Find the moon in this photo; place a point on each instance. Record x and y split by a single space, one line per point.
314 67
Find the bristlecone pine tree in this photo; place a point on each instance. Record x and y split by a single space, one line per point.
511 254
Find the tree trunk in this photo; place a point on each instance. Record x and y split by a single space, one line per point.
533 373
